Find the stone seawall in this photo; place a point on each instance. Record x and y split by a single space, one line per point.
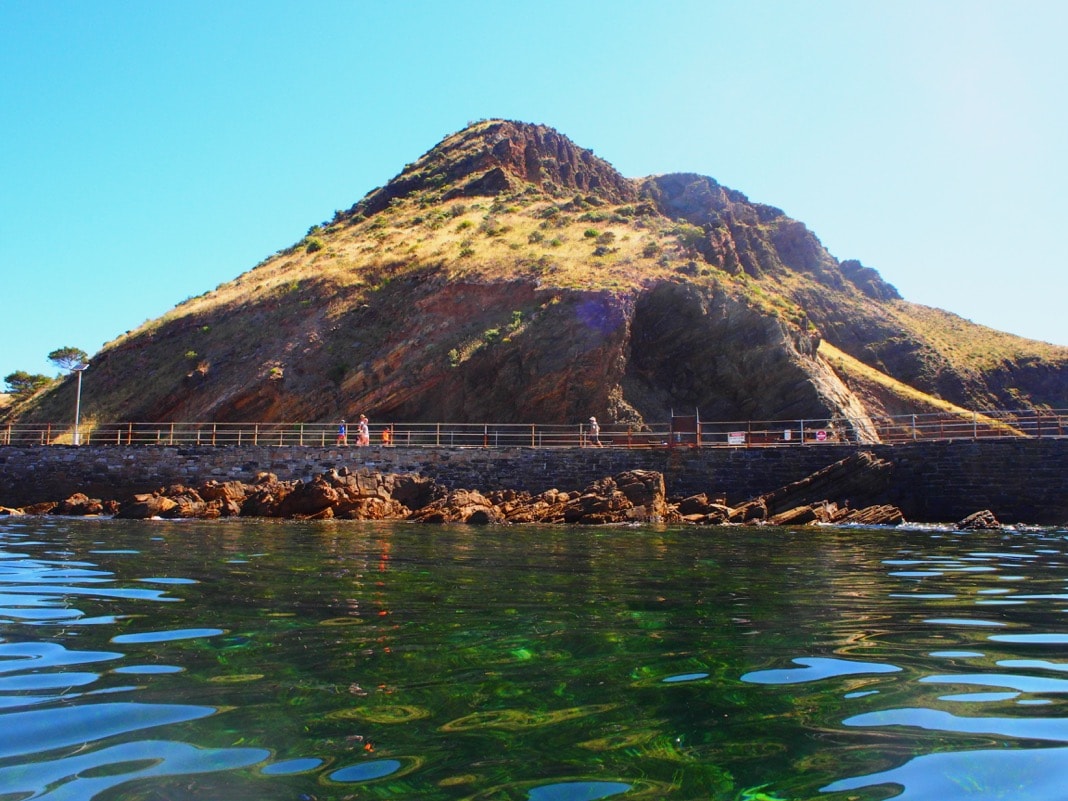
1023 480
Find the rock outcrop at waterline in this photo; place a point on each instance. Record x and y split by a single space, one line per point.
634 496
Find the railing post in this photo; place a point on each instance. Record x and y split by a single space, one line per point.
913 428
171 441
801 423
437 440
302 434
975 424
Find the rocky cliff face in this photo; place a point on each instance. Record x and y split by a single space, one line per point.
508 275
500 157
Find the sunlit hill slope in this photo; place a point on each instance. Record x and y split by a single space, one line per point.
509 275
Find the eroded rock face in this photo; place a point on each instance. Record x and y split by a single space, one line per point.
488 160
692 348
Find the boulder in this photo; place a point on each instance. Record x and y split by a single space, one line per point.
40 508
546 507
187 504
145 505
827 512
632 496
371 509
798 516
307 499
79 504
415 492
227 491
459 506
876 515
977 521
693 505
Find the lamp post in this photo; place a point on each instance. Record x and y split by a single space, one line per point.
79 369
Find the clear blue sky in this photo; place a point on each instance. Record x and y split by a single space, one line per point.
150 151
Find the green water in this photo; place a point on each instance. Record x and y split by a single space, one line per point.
253 660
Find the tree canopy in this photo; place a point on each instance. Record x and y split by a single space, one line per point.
22 384
68 358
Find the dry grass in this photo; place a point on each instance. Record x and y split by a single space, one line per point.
966 344
471 239
855 370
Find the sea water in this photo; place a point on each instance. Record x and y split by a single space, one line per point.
267 660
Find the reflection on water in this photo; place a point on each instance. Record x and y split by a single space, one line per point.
255 660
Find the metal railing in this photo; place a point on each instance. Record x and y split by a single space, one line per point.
997 424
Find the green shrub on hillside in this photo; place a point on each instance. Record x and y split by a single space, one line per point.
22 384
690 236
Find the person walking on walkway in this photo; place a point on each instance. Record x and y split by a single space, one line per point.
595 433
364 437
342 434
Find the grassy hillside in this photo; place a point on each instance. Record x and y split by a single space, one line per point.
507 274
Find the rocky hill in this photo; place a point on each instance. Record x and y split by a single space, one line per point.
509 275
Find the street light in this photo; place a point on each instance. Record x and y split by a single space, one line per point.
79 369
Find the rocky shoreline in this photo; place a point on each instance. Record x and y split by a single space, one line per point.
634 496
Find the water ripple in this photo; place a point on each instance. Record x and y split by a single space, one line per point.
816 668
1020 775
1054 729
43 730
85 775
